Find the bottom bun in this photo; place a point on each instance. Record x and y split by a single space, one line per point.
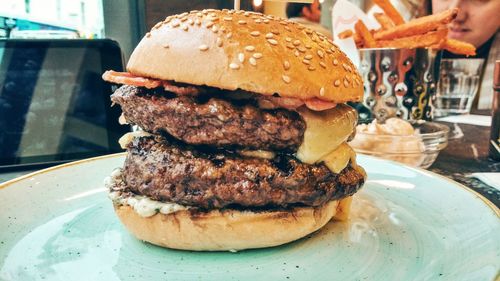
229 230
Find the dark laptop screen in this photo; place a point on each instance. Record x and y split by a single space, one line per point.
54 105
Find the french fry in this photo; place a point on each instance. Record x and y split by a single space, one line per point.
416 41
459 47
390 11
345 34
384 20
418 26
425 32
364 33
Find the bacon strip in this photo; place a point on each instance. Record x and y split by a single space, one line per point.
319 105
282 102
292 103
129 79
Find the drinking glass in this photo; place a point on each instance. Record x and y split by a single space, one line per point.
458 85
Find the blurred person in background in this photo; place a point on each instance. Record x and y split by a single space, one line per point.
308 15
477 22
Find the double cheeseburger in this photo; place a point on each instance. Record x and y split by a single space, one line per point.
244 130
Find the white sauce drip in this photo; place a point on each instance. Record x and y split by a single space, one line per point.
143 205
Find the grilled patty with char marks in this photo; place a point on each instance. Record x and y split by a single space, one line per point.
169 171
209 120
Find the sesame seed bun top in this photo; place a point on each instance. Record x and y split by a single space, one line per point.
246 50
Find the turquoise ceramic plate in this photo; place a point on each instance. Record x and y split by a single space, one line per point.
406 224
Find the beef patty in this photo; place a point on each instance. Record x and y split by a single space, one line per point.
172 172
211 121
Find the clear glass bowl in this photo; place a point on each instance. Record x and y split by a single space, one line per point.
418 150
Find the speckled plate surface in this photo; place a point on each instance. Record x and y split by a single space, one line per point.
406 224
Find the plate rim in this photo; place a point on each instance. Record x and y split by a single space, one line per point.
57 167
487 202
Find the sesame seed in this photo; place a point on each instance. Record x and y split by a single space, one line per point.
266 21
197 21
286 65
322 91
336 83
190 22
241 57
308 46
328 51
296 53
242 22
288 39
255 33
184 19
166 46
301 49
311 68
345 66
290 46
258 21
252 61
229 35
346 83
176 24
332 49
286 79
215 29
148 35
308 31
223 29
199 15
272 41
158 25
167 19
183 14
234 66
257 55
249 48
284 22
288 28
275 31
269 35
322 64
228 18
185 27
203 47
246 14
205 12
296 42
305 61
335 62
209 25
308 57
218 42
320 54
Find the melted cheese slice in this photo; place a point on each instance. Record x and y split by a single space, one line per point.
325 132
338 159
